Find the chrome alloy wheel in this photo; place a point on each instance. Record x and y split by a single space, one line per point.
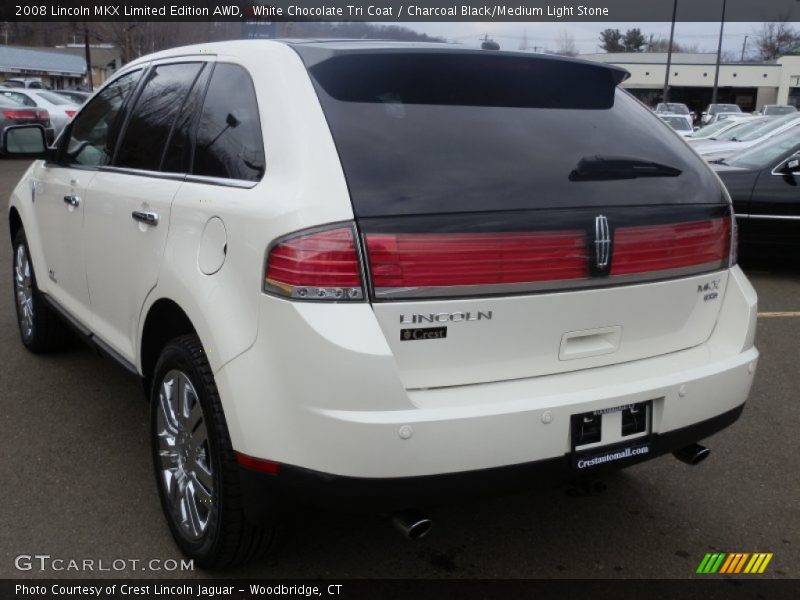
184 455
23 290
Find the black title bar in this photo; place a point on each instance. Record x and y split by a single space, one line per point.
710 588
387 11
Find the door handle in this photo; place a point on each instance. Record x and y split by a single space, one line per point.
149 218
72 200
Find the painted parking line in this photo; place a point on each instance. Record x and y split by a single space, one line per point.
779 315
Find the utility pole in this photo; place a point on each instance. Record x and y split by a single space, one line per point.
665 94
744 47
88 53
523 45
719 54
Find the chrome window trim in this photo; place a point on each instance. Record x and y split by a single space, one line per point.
771 217
143 172
783 162
223 181
474 291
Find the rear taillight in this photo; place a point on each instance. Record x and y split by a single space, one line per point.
20 115
317 265
644 249
734 255
44 116
70 113
326 263
466 259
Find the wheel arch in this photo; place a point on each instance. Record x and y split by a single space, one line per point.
165 321
14 222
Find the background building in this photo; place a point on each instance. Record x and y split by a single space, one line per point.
750 85
56 70
106 58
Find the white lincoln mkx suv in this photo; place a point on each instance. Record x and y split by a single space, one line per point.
387 273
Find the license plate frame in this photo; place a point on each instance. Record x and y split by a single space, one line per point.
620 449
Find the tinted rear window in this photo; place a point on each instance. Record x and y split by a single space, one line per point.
229 143
421 133
154 114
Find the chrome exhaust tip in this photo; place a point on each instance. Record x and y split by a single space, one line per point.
693 454
412 523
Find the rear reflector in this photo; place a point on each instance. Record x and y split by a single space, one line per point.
321 265
463 259
20 115
70 113
673 246
258 464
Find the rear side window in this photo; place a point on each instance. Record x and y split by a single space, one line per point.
93 132
229 143
154 115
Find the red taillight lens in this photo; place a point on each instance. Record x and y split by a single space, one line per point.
20 115
672 246
321 265
44 115
455 259
70 113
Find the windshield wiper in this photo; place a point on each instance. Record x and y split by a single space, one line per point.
599 168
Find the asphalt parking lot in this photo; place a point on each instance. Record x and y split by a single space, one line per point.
77 481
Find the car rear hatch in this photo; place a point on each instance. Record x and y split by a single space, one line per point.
519 215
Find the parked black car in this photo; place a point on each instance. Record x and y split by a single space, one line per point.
764 183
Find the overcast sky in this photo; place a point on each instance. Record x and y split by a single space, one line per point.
586 35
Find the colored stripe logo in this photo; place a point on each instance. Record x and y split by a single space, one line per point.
734 563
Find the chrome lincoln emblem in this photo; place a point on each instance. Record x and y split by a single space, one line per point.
602 241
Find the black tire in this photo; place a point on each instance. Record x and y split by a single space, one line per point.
45 331
228 538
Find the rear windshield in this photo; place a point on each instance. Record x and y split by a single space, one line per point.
678 123
757 129
768 152
421 133
709 130
678 109
779 110
721 108
53 98
743 128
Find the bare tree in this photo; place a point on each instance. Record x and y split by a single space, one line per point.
776 39
565 44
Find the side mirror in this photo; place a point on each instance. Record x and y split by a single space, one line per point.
24 141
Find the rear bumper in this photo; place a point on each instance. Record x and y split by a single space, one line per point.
320 390
297 484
